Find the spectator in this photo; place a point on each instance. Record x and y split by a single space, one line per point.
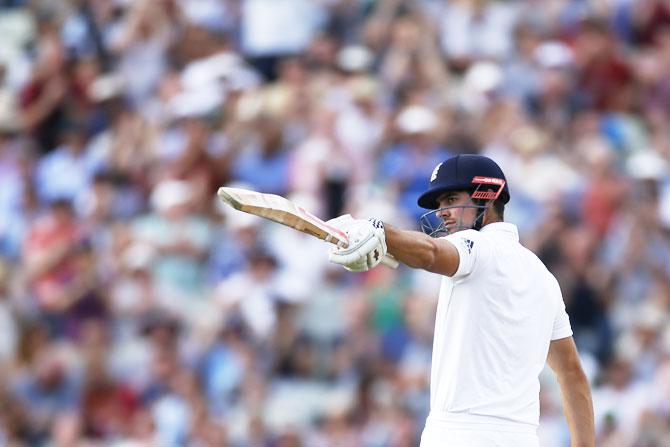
180 238
56 268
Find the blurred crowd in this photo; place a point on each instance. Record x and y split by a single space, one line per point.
136 311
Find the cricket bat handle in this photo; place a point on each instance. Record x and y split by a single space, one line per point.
390 261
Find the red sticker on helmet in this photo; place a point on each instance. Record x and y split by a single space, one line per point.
488 181
487 194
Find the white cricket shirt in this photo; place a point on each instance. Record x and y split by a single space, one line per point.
495 319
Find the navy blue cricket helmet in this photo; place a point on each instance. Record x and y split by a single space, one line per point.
476 173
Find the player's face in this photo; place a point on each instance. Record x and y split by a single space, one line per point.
454 211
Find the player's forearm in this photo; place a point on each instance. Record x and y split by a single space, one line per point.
578 408
412 248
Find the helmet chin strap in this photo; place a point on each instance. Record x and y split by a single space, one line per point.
478 223
479 220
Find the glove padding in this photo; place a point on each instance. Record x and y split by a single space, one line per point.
367 243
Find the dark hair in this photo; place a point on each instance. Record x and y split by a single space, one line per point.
499 207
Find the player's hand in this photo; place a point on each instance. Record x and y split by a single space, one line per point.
367 244
342 223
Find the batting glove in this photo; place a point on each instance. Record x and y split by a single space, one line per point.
367 244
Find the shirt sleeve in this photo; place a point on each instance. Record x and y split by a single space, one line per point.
468 245
562 328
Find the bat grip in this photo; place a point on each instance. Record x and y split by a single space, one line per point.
390 261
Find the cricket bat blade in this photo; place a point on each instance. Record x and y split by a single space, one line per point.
283 211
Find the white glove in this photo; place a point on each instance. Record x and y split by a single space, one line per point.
367 243
342 223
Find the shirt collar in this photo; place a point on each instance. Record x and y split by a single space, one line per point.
508 229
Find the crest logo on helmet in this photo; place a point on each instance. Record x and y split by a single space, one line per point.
433 176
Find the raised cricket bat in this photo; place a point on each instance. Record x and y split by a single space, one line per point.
283 211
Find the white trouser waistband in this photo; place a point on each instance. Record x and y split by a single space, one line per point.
469 421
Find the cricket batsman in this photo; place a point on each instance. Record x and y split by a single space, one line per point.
500 314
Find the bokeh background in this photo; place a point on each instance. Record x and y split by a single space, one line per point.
136 311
